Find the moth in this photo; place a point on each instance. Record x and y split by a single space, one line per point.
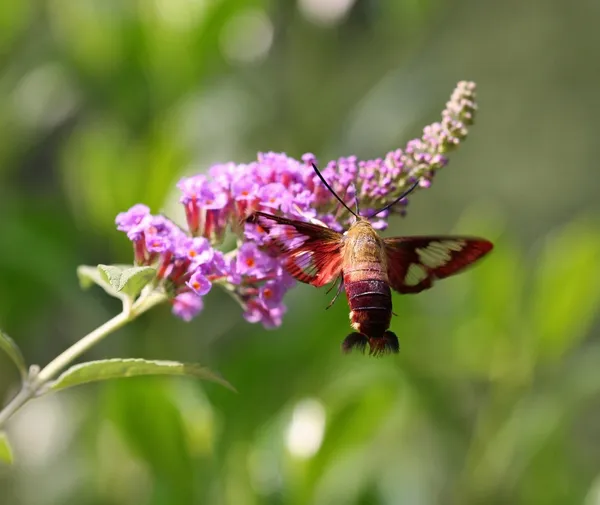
368 266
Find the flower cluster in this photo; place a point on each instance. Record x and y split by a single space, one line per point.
188 262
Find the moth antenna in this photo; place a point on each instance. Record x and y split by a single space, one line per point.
332 191
403 195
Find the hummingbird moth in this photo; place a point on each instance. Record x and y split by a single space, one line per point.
367 266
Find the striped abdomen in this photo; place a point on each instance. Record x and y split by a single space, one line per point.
369 297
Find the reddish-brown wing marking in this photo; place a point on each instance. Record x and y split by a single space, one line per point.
415 262
310 253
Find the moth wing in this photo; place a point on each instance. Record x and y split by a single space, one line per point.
415 262
310 253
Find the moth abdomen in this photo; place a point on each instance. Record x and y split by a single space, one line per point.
370 301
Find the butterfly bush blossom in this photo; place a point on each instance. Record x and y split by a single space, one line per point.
188 262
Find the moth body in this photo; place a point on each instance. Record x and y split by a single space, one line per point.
368 268
365 279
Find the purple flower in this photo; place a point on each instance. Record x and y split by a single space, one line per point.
256 312
199 284
161 234
189 262
198 250
244 188
251 261
232 273
255 233
187 305
224 173
285 279
126 221
191 188
244 191
271 294
273 196
213 198
219 264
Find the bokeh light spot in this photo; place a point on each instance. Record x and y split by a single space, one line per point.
305 431
247 37
325 12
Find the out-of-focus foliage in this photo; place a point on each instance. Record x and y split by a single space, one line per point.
494 396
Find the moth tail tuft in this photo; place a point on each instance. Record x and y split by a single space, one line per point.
356 341
387 344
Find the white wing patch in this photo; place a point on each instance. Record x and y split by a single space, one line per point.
439 253
415 274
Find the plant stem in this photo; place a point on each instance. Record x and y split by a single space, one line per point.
15 404
58 364
77 349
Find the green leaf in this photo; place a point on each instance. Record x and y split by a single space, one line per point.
133 280
9 346
127 280
92 371
88 276
111 274
6 455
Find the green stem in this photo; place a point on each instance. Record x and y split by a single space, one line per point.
58 364
15 404
77 349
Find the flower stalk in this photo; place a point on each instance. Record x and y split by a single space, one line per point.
39 381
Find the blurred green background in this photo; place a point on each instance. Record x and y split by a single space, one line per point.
495 395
